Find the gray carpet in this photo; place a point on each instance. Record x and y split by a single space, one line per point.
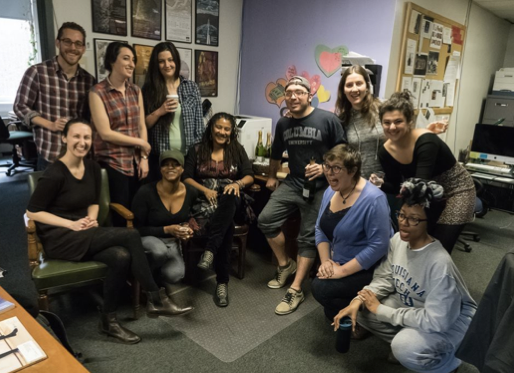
229 333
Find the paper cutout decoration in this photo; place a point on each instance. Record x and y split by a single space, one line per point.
329 59
291 71
315 81
315 101
323 94
275 92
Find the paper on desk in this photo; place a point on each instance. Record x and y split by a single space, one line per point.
28 354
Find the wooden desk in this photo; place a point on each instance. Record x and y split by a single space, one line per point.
59 359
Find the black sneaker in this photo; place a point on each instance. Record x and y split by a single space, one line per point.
221 295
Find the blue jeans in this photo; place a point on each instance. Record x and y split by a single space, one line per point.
42 164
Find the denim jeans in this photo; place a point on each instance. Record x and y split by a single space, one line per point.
164 255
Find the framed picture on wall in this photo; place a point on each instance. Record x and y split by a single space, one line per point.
143 53
206 72
146 19
186 63
207 22
109 17
100 48
179 20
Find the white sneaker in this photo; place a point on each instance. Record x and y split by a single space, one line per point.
290 302
282 275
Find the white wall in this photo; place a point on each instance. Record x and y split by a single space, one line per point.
79 11
509 53
484 52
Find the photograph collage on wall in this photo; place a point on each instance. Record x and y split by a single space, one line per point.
146 19
179 20
143 53
206 72
186 62
207 22
100 49
109 16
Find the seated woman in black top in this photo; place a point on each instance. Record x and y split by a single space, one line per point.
415 152
65 209
161 210
219 168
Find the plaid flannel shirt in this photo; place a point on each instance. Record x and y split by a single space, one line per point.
45 91
124 114
191 106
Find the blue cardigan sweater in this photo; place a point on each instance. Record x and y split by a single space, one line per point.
364 232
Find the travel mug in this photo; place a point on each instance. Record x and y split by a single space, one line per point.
344 334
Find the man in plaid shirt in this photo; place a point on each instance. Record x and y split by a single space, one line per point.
54 91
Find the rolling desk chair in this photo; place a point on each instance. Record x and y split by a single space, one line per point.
481 209
15 138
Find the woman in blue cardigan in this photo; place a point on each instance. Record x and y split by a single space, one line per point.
352 230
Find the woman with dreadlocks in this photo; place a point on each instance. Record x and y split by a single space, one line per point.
417 300
220 169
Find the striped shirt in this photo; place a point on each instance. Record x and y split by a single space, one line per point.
45 91
191 106
124 114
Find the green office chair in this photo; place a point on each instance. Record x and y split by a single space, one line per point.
61 275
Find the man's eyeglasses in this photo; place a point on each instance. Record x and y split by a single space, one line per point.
411 221
68 43
334 169
298 94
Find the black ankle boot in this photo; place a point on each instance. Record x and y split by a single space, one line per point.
109 325
159 304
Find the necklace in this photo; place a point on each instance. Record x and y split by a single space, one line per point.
349 194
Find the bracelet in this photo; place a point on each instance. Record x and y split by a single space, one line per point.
240 183
145 157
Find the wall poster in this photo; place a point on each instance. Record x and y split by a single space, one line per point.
186 63
146 19
143 53
100 49
206 72
109 16
207 22
179 20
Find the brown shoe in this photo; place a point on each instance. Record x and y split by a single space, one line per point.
109 325
159 304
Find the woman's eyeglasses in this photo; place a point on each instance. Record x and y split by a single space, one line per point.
334 169
411 221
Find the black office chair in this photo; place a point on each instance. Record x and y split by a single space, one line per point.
15 138
481 208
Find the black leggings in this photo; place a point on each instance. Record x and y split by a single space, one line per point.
220 234
122 251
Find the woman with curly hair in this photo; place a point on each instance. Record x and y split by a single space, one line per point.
417 300
415 152
219 168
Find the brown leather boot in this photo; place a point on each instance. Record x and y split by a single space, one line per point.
109 325
159 304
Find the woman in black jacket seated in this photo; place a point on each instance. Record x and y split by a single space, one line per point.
161 210
219 168
65 209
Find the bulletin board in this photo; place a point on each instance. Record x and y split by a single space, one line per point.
430 59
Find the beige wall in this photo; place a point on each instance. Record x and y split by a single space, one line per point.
509 53
484 52
79 11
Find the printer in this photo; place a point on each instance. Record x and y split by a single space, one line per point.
248 128
504 82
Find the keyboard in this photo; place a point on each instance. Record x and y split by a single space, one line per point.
489 169
489 177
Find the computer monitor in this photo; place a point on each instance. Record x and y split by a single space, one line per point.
493 143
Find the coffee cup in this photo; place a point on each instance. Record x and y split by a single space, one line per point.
172 97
